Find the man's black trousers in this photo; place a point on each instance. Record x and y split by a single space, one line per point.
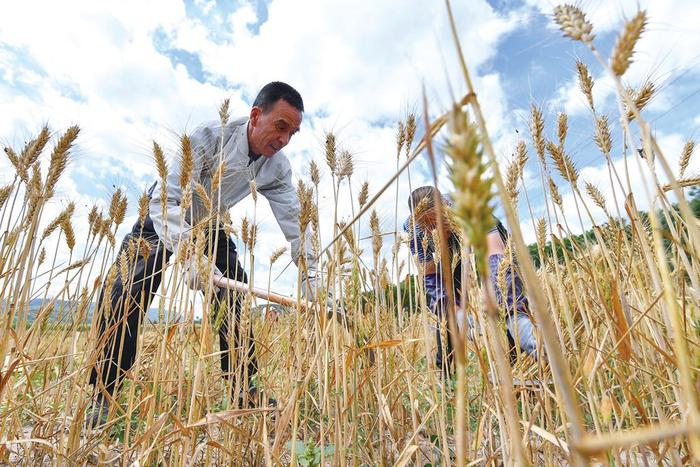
118 319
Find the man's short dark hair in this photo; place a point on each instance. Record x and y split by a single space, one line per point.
276 90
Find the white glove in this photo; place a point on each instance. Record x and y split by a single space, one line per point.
194 278
190 276
473 329
310 288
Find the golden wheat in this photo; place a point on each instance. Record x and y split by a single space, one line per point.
624 47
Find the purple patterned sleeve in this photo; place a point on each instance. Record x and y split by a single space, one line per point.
515 300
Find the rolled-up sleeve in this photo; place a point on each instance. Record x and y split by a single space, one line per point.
285 206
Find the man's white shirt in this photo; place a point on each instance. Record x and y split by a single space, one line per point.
272 175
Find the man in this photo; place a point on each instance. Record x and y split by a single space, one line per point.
250 148
419 226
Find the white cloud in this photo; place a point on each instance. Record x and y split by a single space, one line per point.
571 100
205 5
634 170
605 16
359 65
355 78
667 49
352 59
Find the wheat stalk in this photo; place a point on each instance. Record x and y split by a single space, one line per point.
400 138
376 236
252 236
536 125
224 114
106 231
144 199
602 135
42 256
33 193
59 159
364 194
573 23
555 192
32 150
144 248
522 157
596 195
641 97
331 156
562 128
186 161
468 171
410 132
62 217
123 262
203 196
683 182
314 173
227 223
276 254
186 200
15 161
345 165
94 220
244 230
117 207
503 267
541 232
686 154
68 233
306 210
512 176
5 193
563 162
161 165
624 47
254 190
109 283
585 82
218 176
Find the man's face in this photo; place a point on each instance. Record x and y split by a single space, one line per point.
272 130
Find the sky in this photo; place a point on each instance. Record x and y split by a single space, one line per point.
132 72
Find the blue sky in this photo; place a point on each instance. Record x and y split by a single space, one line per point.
133 72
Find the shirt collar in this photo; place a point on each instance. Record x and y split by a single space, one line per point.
251 156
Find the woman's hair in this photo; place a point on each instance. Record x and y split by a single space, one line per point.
426 193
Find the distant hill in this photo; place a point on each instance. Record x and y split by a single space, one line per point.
63 310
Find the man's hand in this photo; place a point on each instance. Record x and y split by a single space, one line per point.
194 277
473 329
191 275
310 289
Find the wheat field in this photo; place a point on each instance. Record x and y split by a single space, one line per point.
616 312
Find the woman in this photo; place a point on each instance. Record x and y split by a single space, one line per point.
421 228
